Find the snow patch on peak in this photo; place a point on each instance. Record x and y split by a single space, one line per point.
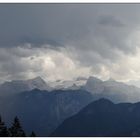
69 84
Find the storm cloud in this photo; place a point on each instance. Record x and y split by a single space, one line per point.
64 41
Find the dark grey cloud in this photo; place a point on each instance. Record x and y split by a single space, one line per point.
39 23
42 22
87 38
58 23
110 21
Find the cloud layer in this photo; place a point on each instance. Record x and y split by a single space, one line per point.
65 41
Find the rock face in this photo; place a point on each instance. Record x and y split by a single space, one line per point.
103 118
42 111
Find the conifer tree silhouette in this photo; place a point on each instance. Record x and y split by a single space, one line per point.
3 129
16 129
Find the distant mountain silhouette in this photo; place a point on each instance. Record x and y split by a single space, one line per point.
110 89
103 118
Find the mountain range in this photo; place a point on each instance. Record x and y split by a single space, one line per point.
42 106
112 90
17 86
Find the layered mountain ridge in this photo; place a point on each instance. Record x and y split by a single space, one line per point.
43 106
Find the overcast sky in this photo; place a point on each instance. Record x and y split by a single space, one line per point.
65 41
